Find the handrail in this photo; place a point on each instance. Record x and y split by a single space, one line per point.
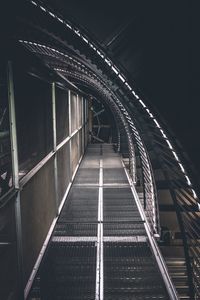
154 247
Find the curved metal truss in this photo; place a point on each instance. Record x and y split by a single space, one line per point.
79 57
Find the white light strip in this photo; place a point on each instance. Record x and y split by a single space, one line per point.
156 122
182 168
42 8
188 180
34 3
142 103
122 78
175 155
115 70
169 144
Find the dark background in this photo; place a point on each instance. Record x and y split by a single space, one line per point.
157 42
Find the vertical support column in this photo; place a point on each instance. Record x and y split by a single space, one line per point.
99 264
53 90
77 125
90 117
70 132
83 125
15 171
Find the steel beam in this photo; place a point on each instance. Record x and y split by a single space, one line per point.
15 172
53 91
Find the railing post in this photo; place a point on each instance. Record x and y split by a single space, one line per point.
53 91
15 172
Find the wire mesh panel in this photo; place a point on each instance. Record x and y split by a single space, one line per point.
75 229
114 176
37 195
68 272
119 205
130 272
81 206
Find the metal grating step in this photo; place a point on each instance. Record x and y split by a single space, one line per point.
123 229
68 272
130 272
87 176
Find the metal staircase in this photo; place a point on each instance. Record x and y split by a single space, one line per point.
100 247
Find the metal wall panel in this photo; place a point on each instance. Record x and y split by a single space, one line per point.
8 250
63 164
62 114
33 119
38 209
73 112
74 153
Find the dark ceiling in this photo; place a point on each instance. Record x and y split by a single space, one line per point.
156 42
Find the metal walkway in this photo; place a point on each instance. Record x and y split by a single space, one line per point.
99 248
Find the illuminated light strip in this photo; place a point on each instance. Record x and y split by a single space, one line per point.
69 26
34 3
156 122
77 32
108 62
122 78
51 14
169 144
60 20
42 8
175 155
188 180
128 86
115 70
163 134
182 168
195 195
85 39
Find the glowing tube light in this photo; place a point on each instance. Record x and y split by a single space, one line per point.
169 144
175 155
156 122
42 8
60 20
194 195
142 103
163 134
122 78
51 14
128 86
188 180
69 26
85 40
181 166
115 70
34 3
